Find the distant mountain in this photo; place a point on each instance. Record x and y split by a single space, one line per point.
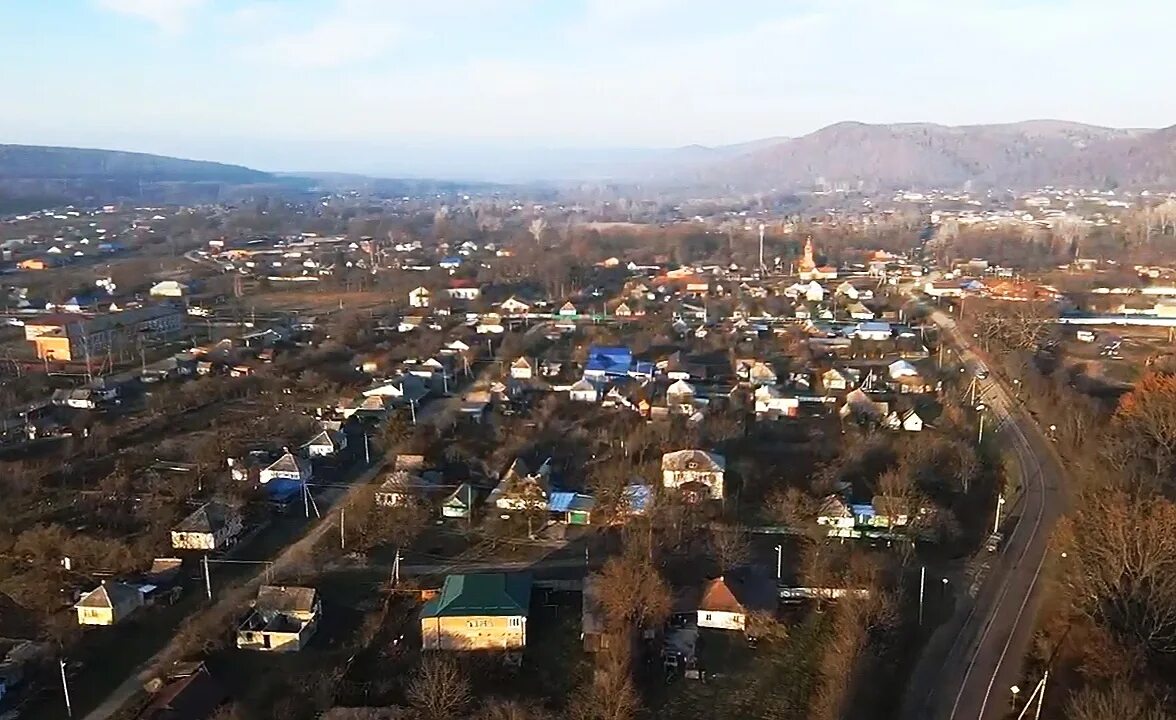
1016 155
37 175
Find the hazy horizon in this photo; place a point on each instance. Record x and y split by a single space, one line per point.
488 87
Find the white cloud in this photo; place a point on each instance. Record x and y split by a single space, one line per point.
351 31
168 16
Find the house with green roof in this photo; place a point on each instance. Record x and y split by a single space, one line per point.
485 611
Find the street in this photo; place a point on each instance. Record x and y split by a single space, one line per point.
969 673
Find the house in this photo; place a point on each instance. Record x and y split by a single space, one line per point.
485 611
108 604
592 623
571 508
813 292
858 405
858 311
399 488
584 390
877 331
169 289
288 467
514 306
695 471
419 297
283 619
521 489
522 369
328 442
836 515
728 600
770 402
912 421
836 380
680 398
188 692
636 499
568 310
463 290
603 362
761 373
623 310
900 369
213 526
460 502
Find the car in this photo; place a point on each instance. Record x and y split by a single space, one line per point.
993 543
982 374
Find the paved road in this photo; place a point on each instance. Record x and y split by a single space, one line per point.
969 677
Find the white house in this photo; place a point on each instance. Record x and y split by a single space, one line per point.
912 422
169 289
464 292
902 368
419 297
522 369
287 467
584 391
514 306
568 310
697 471
728 601
877 331
769 401
814 292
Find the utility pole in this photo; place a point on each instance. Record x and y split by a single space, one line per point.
207 579
412 409
342 528
779 554
922 585
396 569
1000 501
367 453
65 689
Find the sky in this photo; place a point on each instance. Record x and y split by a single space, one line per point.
388 86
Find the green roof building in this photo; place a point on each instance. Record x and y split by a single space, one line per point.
478 612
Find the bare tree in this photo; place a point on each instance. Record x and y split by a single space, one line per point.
1120 569
729 547
1120 699
439 689
537 227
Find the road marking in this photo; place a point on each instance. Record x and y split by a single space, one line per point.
1022 444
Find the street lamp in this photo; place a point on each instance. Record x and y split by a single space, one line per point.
980 434
779 561
1017 388
1015 691
1000 501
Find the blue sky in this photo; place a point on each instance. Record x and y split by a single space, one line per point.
356 85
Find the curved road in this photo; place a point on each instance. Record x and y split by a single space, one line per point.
969 676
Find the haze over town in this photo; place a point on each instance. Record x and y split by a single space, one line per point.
518 89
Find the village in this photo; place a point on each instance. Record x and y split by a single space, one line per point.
645 476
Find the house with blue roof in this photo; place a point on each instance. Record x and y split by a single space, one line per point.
605 362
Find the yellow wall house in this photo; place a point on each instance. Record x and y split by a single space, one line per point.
478 612
108 604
